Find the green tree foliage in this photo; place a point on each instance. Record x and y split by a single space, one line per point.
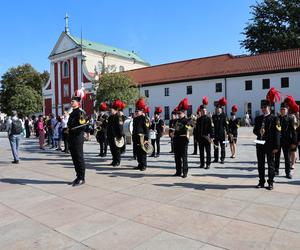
112 86
22 90
275 25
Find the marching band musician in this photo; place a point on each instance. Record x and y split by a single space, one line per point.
267 130
121 114
181 139
101 128
288 140
76 128
115 131
233 125
294 111
195 136
140 134
205 133
221 128
157 127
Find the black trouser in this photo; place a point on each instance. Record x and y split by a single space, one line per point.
141 156
76 150
172 144
27 130
103 146
204 145
195 145
66 143
299 151
157 142
261 152
115 151
287 158
219 143
180 152
134 146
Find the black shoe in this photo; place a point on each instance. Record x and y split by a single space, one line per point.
98 154
260 185
15 162
276 172
195 153
138 168
112 164
289 176
142 168
270 187
71 183
222 161
78 183
207 167
156 156
151 155
215 161
116 164
201 166
176 174
184 176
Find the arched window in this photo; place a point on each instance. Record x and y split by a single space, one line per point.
121 68
66 72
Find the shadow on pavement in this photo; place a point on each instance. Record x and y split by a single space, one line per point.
205 186
30 181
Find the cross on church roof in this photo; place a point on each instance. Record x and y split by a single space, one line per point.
67 24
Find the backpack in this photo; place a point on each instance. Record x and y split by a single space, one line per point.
16 127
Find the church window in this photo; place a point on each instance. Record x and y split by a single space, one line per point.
66 72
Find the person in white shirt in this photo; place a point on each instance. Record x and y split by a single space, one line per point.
64 125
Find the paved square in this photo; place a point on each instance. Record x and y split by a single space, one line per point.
122 208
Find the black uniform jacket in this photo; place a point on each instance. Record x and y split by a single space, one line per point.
220 126
288 134
204 127
182 126
272 130
114 127
141 126
76 118
158 125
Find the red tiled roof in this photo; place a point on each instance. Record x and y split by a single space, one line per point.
218 66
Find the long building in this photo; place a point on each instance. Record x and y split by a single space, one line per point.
242 80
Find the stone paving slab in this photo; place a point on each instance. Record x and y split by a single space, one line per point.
121 208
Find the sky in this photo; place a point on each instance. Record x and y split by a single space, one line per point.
160 31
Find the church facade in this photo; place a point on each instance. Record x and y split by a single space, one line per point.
74 63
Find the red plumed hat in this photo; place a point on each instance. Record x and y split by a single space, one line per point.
183 105
273 95
290 101
222 102
140 104
117 104
103 106
175 110
123 105
80 93
158 110
294 108
205 100
146 110
234 108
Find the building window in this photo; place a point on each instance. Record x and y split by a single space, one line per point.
266 83
219 87
146 93
167 92
190 110
121 68
248 85
249 109
66 90
167 113
189 90
284 82
65 69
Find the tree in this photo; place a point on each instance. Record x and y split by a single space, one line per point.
275 26
22 90
112 86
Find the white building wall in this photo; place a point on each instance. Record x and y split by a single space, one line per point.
236 93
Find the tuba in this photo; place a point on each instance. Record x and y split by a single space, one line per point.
146 145
119 142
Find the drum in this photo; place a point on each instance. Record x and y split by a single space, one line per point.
152 134
128 127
